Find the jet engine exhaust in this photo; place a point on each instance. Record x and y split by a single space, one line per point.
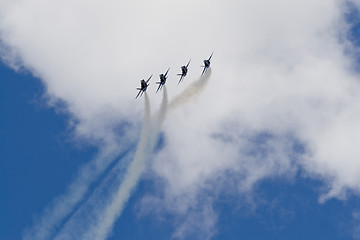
129 183
157 121
191 91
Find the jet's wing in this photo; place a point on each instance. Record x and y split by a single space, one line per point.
148 79
181 78
138 94
203 70
187 65
167 72
211 56
160 85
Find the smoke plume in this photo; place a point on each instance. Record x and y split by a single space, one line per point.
108 217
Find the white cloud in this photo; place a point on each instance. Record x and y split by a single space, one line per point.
279 67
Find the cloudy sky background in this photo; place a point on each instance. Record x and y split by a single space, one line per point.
280 105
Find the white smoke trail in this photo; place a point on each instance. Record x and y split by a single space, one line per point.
157 121
87 214
113 210
160 116
191 91
64 205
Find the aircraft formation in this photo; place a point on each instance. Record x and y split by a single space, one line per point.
184 70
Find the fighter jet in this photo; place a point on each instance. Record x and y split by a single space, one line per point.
163 78
184 70
207 64
144 85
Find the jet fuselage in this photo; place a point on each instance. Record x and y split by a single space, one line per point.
143 85
184 70
207 63
162 79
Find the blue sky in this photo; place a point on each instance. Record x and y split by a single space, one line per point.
34 144
271 154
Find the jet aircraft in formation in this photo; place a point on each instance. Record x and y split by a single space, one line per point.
144 85
163 77
206 64
184 70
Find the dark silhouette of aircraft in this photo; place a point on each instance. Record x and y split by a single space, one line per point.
207 64
184 70
163 78
144 85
